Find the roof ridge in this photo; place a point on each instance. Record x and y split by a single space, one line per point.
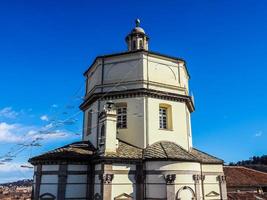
163 149
207 154
247 168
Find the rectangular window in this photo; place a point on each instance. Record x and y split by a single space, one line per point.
163 118
122 117
89 122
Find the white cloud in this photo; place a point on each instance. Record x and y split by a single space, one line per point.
14 166
14 133
52 135
54 106
44 118
8 112
7 133
258 134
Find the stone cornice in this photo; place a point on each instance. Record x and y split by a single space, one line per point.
150 53
138 93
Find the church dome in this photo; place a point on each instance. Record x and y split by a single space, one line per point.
137 38
138 30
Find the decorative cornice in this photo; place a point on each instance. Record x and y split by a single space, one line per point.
138 93
106 178
170 178
196 178
221 178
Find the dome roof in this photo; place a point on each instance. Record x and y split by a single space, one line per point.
138 30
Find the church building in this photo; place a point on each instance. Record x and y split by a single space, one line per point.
137 138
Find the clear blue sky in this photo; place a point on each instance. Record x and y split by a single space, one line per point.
45 46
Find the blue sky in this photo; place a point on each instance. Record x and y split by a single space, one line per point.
45 46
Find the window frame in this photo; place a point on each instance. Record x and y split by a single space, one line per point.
89 123
167 115
122 117
163 117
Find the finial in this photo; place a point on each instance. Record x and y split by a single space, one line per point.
137 22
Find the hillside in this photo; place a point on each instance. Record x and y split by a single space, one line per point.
24 183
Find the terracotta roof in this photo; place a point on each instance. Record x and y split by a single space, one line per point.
204 157
167 150
163 150
125 151
74 151
246 196
237 176
172 151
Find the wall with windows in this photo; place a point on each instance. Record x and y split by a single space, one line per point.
134 132
90 132
177 128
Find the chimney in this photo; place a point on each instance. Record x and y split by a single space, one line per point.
108 129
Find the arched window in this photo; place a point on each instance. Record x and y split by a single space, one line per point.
133 45
47 196
165 116
141 46
102 131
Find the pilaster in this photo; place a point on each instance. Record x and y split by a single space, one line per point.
170 186
106 181
38 178
139 178
62 181
222 183
197 179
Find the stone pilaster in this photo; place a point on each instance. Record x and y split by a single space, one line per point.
38 178
197 179
222 183
90 182
170 186
139 178
106 181
62 181
202 178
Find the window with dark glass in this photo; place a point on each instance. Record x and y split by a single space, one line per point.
122 117
163 118
89 123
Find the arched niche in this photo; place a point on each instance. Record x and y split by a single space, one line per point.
47 196
185 193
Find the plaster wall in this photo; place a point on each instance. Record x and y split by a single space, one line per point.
76 191
178 133
93 136
50 167
77 167
123 183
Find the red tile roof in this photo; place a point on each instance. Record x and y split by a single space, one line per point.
237 176
246 196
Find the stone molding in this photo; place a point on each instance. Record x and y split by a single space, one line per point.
140 93
106 178
196 178
221 179
170 178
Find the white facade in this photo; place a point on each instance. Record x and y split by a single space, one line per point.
137 137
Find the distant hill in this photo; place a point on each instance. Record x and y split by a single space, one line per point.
24 183
256 162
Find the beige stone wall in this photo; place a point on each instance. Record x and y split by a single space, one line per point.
138 70
178 133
